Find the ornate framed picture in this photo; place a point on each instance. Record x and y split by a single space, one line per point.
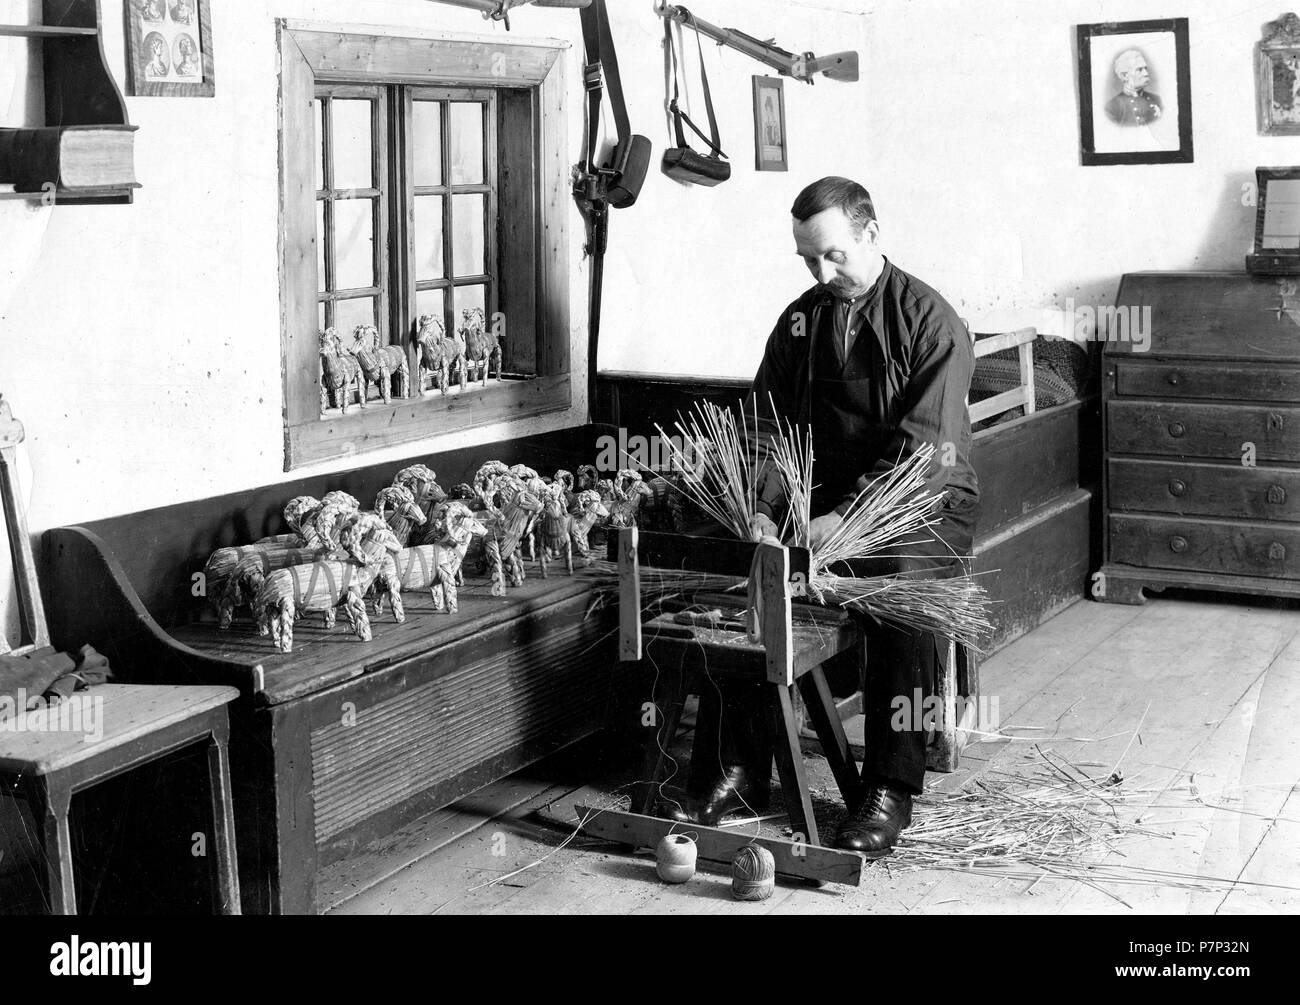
769 124
1135 93
1277 77
169 49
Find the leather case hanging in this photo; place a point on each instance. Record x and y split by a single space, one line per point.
619 182
682 162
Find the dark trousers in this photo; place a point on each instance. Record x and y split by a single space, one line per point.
730 729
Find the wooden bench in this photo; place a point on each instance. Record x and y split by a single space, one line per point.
340 741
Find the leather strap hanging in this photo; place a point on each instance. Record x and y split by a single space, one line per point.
682 163
619 182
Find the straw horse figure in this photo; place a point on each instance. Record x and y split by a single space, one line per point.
629 490
324 585
432 566
340 373
588 509
440 355
481 345
380 363
396 505
506 526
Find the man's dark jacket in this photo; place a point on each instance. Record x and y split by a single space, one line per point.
911 365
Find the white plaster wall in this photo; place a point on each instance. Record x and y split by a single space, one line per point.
140 344
965 129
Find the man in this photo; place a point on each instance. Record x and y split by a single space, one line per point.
878 364
1134 105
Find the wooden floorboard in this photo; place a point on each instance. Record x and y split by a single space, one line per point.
1222 682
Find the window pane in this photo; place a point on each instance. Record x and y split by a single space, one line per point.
350 313
320 320
428 237
354 243
467 247
318 116
320 247
468 297
466 142
430 302
428 142
353 167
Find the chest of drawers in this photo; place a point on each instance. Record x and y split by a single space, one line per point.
1201 398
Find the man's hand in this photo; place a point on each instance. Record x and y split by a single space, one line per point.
763 530
822 528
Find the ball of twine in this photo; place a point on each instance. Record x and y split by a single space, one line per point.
753 873
675 858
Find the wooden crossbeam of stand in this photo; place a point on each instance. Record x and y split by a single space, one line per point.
794 860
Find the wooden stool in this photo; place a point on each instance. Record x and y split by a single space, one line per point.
791 655
140 724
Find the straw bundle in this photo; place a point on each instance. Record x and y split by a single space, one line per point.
720 472
954 608
723 463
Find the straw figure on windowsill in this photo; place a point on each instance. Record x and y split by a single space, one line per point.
340 373
481 345
379 363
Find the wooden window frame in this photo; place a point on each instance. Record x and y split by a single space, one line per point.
447 189
531 234
378 193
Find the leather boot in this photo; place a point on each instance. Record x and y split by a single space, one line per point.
875 827
736 789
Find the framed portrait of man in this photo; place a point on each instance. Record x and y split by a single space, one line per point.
169 48
769 124
1135 94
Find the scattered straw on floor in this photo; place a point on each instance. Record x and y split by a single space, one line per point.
1050 819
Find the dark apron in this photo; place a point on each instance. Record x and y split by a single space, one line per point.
848 411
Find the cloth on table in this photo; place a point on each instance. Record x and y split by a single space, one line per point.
47 677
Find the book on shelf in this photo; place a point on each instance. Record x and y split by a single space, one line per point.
76 159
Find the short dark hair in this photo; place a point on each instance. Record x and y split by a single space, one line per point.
835 193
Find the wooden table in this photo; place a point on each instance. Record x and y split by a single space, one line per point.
132 726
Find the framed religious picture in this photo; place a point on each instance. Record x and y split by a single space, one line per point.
769 124
1277 77
1135 93
169 48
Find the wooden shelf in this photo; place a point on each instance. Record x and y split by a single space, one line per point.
43 31
79 91
120 196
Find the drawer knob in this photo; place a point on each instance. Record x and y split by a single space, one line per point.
1178 543
1277 552
1177 429
1177 486
1173 379
1276 495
